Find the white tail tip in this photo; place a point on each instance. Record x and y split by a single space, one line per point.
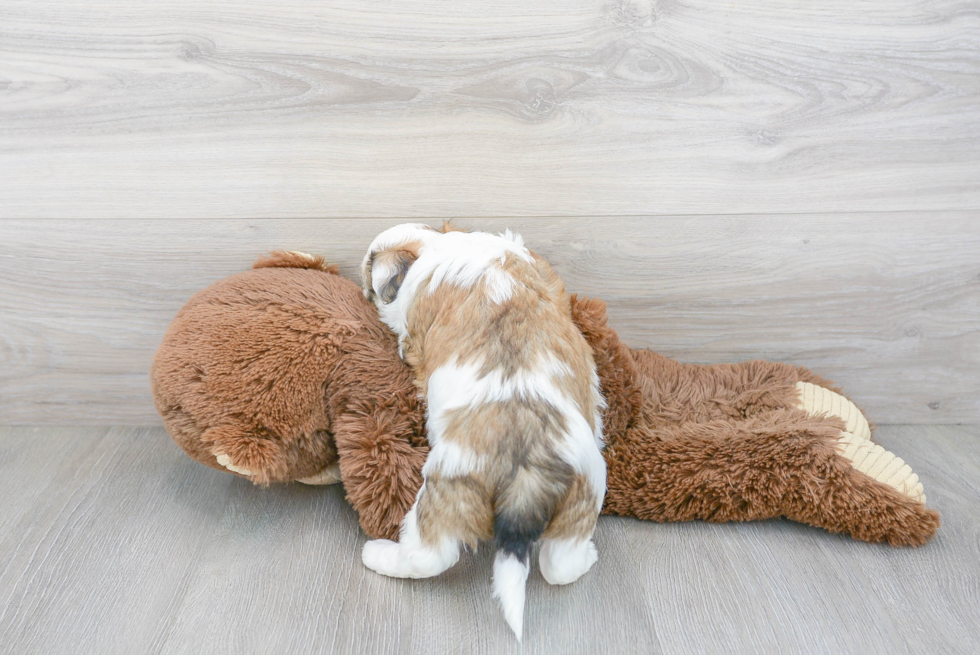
509 582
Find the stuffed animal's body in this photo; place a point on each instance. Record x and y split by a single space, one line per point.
279 373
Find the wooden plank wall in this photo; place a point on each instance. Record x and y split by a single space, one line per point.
887 305
796 181
341 108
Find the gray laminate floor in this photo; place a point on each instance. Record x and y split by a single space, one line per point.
112 541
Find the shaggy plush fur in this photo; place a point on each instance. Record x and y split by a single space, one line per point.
273 366
727 443
285 369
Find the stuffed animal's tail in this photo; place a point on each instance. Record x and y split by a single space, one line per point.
294 259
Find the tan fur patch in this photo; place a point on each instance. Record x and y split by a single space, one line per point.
575 517
532 422
449 226
461 506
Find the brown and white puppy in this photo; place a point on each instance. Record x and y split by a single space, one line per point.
513 408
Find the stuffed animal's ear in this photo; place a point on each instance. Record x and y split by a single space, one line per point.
387 272
449 226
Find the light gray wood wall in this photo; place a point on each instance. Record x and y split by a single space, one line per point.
339 108
789 180
887 305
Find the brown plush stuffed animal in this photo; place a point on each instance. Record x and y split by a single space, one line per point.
282 372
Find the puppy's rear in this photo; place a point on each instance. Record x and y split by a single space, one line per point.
513 408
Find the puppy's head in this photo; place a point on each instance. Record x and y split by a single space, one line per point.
389 259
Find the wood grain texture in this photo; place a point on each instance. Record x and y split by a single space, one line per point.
104 541
887 305
111 108
115 542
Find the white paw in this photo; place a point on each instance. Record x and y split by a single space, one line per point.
329 475
563 562
591 557
382 556
225 461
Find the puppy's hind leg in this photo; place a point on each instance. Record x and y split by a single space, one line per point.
446 514
567 551
410 557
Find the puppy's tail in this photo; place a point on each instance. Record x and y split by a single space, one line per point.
523 508
514 534
523 512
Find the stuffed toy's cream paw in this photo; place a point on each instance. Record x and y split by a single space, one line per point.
854 442
225 460
816 400
329 475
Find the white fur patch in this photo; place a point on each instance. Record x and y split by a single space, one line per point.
463 258
452 385
579 449
500 284
452 460
409 535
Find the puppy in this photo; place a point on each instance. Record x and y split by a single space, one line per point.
513 412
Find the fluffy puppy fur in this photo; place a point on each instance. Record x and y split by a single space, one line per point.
513 413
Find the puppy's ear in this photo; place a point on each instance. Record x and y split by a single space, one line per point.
388 270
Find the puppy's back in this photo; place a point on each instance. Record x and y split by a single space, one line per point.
513 404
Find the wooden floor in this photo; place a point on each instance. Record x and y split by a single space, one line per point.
112 541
